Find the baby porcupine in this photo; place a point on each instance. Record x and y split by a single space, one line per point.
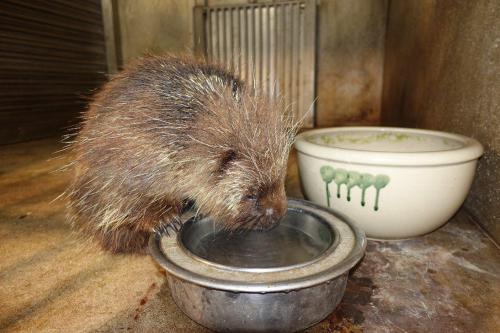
166 130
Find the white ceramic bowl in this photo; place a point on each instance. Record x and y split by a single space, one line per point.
393 182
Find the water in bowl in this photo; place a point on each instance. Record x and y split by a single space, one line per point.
298 239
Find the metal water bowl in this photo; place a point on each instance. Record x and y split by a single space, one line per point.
283 280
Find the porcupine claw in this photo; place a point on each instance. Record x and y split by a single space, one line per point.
173 226
177 223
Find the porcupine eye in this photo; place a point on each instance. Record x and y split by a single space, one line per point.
250 197
227 158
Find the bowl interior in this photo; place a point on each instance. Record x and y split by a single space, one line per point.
385 141
301 237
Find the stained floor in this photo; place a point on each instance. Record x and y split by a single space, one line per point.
51 281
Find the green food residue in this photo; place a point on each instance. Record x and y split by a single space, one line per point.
332 139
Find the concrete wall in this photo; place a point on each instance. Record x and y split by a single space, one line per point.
350 42
155 26
442 71
351 36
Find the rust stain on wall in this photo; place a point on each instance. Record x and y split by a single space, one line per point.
350 62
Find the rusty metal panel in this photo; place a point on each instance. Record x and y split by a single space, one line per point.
271 44
308 61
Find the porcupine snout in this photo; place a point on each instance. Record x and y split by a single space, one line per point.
272 210
268 208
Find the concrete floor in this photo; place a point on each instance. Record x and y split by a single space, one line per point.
50 281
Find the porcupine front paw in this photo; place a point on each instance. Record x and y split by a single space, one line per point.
169 227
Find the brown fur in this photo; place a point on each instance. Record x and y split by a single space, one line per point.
166 130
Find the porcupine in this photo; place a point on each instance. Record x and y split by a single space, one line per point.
169 130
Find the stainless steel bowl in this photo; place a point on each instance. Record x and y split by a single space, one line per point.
283 280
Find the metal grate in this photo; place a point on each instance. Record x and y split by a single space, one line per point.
272 44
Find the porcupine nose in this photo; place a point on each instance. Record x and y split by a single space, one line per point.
273 209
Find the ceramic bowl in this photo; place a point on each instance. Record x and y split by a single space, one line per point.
282 280
394 182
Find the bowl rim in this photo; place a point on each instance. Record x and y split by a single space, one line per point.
470 150
176 263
